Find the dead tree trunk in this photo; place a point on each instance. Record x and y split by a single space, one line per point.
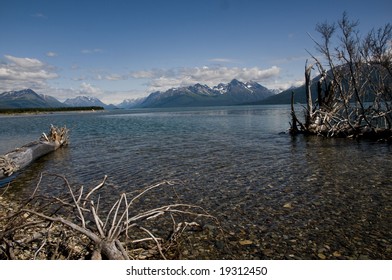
309 107
354 98
21 157
294 120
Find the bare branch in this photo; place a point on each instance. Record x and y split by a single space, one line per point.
95 189
105 242
360 72
155 240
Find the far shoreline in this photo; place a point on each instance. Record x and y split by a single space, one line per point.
43 111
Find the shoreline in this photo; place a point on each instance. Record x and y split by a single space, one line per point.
48 111
38 111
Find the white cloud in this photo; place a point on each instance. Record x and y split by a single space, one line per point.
24 62
283 85
51 54
164 83
22 72
88 89
144 74
115 77
165 79
222 60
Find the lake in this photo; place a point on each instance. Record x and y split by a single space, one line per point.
288 198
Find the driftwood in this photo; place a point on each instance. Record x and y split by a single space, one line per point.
354 97
21 157
334 115
110 233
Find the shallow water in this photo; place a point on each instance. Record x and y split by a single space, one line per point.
291 197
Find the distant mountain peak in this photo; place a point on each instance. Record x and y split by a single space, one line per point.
27 98
19 92
84 97
252 83
235 82
131 103
84 101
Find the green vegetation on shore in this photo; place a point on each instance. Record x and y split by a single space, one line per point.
40 110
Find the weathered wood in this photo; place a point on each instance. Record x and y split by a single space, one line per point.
328 118
22 157
294 120
82 230
309 104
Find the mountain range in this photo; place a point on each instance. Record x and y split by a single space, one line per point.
27 98
233 93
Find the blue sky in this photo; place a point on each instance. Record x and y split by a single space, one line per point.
116 50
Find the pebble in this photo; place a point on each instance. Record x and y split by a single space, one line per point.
336 254
246 242
321 256
288 205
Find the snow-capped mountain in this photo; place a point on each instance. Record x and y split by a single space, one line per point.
233 93
27 98
131 103
84 101
201 89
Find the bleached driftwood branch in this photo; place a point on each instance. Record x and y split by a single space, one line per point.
21 157
109 232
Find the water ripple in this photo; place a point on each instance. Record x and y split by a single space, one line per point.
232 161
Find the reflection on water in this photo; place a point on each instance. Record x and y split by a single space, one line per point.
293 197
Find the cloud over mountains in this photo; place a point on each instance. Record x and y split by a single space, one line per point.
24 72
164 79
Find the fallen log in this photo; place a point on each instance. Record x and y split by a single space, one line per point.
21 157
